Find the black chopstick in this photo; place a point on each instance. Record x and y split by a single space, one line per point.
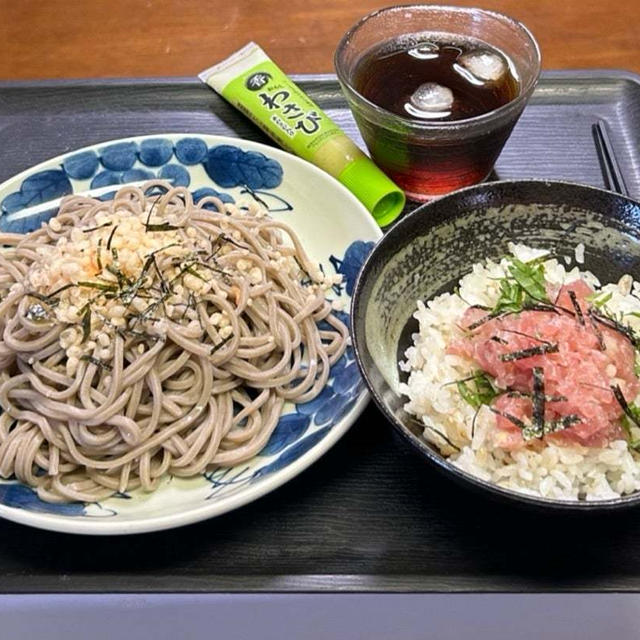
611 172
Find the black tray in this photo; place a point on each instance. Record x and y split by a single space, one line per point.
368 516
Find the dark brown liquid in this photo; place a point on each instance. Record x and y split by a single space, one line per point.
389 78
426 166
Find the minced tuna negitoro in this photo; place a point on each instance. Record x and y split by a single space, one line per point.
549 361
559 368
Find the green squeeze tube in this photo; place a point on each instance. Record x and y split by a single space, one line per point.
255 85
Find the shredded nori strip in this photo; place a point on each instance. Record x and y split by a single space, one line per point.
559 424
306 273
498 339
98 252
98 363
190 304
617 392
559 292
133 291
111 238
530 352
538 400
216 245
164 287
194 273
166 246
164 226
226 238
212 268
43 298
53 294
102 226
38 296
98 285
509 417
153 204
627 332
86 323
114 268
436 431
481 321
473 422
562 423
596 330
547 398
576 306
549 308
220 344
532 431
525 335
123 332
594 386
185 269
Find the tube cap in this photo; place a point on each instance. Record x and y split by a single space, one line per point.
374 189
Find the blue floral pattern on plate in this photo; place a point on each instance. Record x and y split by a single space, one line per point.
122 162
208 166
14 494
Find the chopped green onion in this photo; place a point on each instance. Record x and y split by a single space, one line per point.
477 390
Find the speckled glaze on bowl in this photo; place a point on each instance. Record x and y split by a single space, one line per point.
427 252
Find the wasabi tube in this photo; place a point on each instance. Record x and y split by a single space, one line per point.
255 85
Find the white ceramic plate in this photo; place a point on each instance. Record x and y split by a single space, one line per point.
336 230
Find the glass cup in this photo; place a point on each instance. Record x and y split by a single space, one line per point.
429 158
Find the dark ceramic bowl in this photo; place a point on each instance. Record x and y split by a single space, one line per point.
427 252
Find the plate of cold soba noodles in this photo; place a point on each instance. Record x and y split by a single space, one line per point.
174 330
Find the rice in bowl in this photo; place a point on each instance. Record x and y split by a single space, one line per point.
464 425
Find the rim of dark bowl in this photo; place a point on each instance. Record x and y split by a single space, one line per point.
486 194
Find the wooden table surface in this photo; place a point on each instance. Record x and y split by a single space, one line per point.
79 38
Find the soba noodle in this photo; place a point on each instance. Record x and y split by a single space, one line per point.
148 335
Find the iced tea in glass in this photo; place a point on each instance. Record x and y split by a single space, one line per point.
436 91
